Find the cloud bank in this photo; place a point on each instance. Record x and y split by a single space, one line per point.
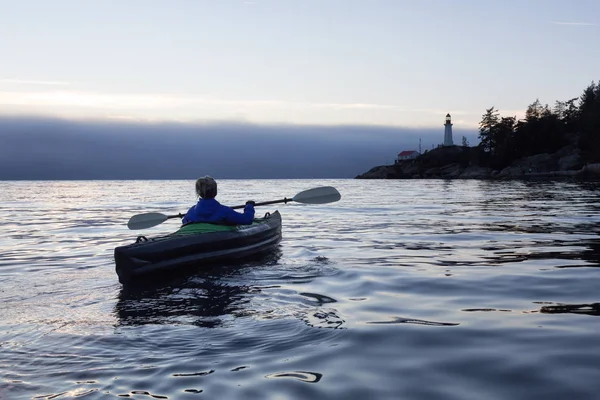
574 23
47 148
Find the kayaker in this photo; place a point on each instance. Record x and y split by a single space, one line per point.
210 210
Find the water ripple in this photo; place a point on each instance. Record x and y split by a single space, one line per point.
428 290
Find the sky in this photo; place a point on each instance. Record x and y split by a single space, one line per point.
310 63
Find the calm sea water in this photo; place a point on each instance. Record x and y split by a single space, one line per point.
402 289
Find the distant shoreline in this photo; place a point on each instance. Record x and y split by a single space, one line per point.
456 162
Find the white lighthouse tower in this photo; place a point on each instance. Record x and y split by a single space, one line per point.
448 132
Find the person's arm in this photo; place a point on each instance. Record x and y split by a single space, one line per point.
186 219
237 218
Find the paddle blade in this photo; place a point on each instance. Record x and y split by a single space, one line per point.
318 195
148 220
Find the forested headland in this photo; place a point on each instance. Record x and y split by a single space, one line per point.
558 140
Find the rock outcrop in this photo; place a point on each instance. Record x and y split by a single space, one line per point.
456 162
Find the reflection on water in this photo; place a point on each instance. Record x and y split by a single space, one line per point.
400 320
204 297
591 251
588 309
191 300
579 253
310 377
214 297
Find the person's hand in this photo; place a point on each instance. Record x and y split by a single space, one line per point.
251 202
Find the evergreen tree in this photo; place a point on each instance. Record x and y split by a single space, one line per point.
489 120
571 115
546 111
589 123
534 111
506 147
560 108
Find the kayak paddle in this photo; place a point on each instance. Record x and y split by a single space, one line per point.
318 195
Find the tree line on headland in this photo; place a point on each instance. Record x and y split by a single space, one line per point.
544 130
563 140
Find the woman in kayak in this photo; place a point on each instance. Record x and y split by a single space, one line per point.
210 210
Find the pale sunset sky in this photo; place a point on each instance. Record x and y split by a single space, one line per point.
321 62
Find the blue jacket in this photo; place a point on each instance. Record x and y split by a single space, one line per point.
210 210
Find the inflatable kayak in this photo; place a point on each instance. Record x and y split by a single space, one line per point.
195 245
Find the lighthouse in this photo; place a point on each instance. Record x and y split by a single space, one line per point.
448 132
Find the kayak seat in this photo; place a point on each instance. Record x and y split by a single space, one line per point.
207 227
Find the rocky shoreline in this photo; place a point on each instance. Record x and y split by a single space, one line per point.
458 162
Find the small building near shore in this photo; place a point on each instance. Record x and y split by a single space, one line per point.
407 155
